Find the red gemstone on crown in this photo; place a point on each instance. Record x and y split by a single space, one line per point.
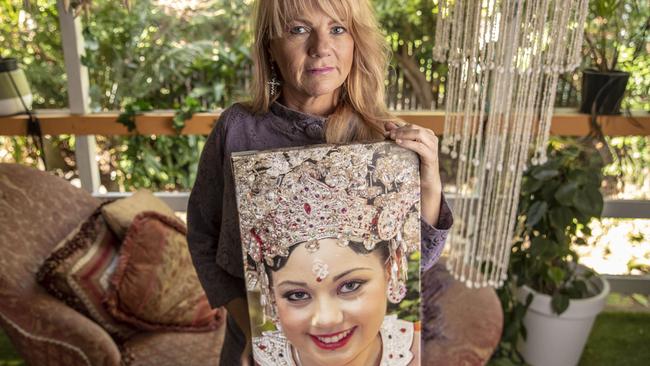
257 237
307 208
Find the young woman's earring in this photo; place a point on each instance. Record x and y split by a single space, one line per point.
396 286
274 83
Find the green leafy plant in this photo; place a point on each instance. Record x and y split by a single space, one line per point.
617 32
159 162
558 200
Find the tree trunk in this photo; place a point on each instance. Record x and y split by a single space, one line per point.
416 78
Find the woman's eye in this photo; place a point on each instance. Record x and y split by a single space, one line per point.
338 30
298 30
297 296
349 287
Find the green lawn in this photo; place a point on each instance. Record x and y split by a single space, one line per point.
618 338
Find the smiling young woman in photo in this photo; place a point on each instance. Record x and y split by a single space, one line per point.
340 319
319 69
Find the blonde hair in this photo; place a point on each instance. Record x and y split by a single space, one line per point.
361 112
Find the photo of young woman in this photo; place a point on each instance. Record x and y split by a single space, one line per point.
327 233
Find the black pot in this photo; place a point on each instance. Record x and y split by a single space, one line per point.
8 64
602 92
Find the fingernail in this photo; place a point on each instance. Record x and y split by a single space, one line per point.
399 141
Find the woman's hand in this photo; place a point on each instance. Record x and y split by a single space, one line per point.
425 143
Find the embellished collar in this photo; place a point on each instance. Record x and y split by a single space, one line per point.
273 348
309 124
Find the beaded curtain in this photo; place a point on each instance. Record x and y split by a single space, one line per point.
504 59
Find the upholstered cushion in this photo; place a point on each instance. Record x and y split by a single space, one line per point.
155 286
462 326
173 349
119 214
79 269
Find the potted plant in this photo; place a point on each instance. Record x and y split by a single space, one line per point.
549 300
615 37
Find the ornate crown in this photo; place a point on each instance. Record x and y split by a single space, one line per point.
366 193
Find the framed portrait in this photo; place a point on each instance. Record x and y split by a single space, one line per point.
331 247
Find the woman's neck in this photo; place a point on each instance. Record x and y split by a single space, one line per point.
322 106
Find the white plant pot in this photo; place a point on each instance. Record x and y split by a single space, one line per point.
554 340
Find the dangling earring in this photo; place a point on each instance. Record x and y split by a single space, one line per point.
396 285
274 83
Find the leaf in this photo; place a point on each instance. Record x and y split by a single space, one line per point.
539 245
556 275
546 174
589 201
564 194
559 303
560 217
581 289
531 185
596 199
535 213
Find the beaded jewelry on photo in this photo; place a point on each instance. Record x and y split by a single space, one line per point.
363 193
320 270
397 280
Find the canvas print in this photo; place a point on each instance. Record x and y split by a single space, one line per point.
331 245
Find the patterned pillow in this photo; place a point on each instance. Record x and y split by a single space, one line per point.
155 286
120 213
79 269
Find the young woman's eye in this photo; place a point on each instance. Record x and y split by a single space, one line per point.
296 296
338 29
349 287
299 29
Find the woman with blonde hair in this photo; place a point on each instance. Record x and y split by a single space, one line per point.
318 78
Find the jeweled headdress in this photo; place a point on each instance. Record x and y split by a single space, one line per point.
365 193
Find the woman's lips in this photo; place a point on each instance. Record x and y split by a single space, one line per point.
333 341
321 70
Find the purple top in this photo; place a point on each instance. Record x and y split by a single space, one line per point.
213 229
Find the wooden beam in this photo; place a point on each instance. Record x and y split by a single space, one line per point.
61 122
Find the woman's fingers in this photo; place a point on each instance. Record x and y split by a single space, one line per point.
418 147
417 134
389 126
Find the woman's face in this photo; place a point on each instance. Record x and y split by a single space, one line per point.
314 56
331 320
